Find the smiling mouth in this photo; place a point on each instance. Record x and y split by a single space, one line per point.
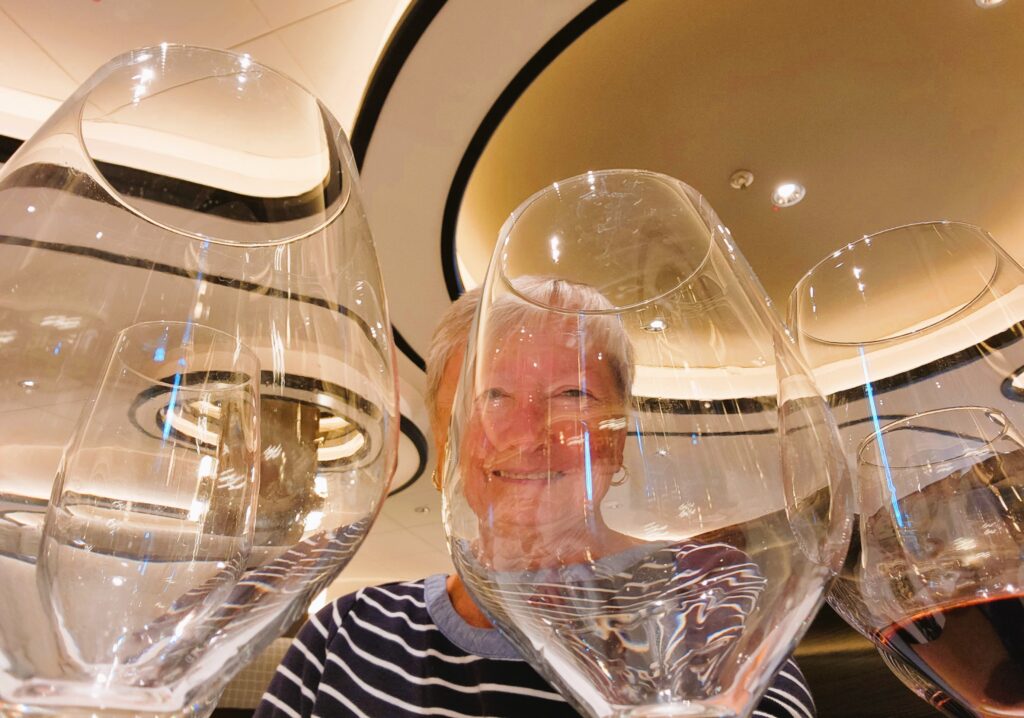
524 476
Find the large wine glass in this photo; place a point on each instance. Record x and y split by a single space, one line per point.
151 519
915 318
942 500
643 489
190 185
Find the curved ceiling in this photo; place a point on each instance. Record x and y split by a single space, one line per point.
887 112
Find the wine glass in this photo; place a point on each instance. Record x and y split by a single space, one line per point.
942 506
150 522
188 184
911 319
643 489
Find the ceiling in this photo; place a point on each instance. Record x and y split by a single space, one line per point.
888 113
330 47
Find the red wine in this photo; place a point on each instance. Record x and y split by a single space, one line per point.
973 650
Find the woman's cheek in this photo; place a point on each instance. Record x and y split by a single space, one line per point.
472 457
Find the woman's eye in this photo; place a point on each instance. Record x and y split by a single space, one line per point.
574 394
493 395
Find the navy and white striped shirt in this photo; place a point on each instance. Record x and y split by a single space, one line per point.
401 650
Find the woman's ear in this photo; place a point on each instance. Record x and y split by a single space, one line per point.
620 444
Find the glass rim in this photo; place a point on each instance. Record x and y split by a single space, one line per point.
995 415
851 246
239 347
546 190
129 58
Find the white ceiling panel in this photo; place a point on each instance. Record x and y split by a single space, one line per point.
338 49
419 505
81 36
278 12
18 52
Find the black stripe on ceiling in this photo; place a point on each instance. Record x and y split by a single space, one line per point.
422 448
129 179
150 265
410 29
8 146
417 18
593 14
406 426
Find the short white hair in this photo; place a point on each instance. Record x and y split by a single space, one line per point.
450 335
604 328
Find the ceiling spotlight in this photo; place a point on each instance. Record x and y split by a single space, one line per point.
988 3
655 325
787 194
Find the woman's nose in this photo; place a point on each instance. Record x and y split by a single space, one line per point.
521 426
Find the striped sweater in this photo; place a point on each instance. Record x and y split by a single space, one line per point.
401 650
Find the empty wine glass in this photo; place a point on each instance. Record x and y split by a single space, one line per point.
942 501
912 319
151 520
643 489
188 184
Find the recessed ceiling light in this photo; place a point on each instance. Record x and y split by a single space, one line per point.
787 194
656 325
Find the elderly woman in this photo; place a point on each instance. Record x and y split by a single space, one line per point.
425 647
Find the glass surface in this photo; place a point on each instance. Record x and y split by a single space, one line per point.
189 185
643 489
942 576
913 319
150 525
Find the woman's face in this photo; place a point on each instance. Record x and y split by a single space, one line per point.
546 431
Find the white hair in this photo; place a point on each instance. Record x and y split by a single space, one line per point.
532 296
600 329
450 335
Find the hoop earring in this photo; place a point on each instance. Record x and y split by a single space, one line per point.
620 477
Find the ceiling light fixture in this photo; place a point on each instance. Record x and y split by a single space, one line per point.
787 194
988 3
741 179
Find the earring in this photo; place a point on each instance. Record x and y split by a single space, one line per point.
620 477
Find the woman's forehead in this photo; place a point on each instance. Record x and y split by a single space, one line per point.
541 356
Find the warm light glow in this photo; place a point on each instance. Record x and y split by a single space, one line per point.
313 520
787 194
318 602
60 321
320 486
656 325
197 511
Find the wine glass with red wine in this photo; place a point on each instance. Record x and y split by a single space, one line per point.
904 321
942 537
